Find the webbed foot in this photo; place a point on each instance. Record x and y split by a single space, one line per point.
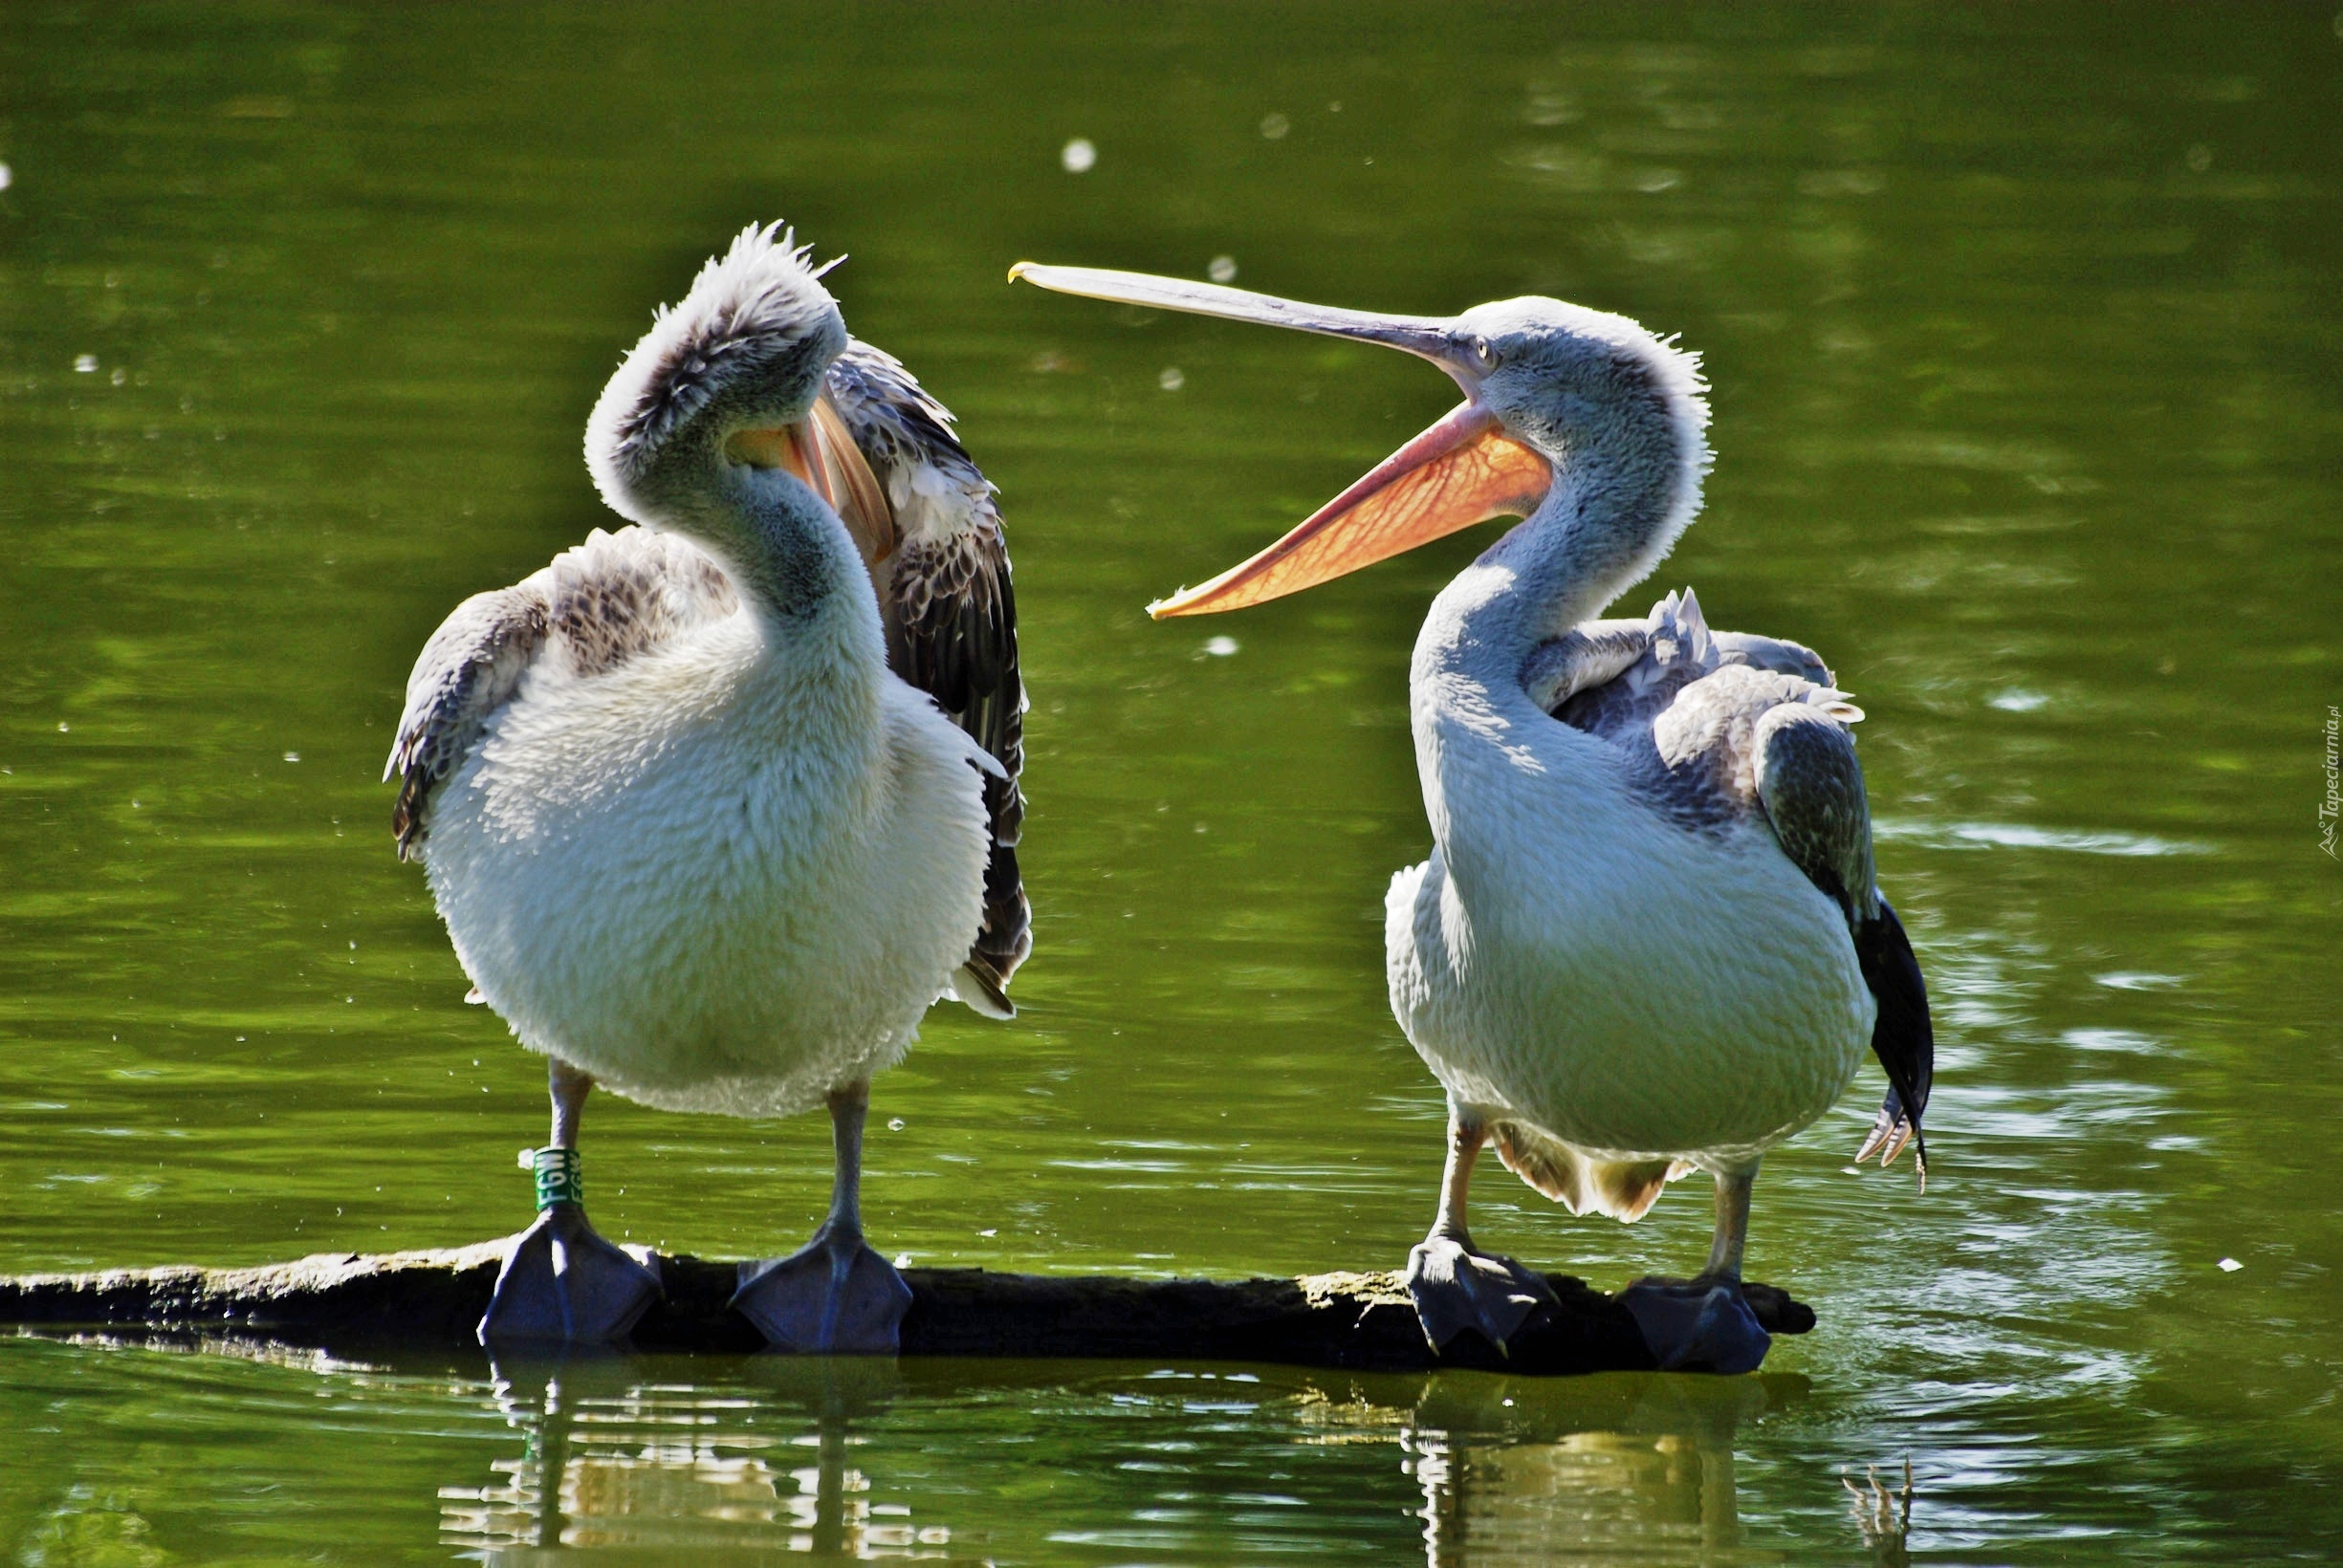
562 1281
833 1296
1697 1323
1456 1288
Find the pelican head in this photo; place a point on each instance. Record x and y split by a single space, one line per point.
1560 403
723 395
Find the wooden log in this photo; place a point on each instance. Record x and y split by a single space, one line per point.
349 1304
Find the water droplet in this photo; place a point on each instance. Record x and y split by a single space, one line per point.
1221 269
894 1124
903 1260
7 177
2229 1265
2200 158
86 363
1275 126
1078 156
987 1232
1220 648
119 375
1172 380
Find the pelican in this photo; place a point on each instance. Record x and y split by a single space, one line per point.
1648 940
717 805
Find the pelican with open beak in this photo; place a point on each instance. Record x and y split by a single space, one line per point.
1648 940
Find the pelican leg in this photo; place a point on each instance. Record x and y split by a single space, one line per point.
1455 1287
1706 1321
561 1280
834 1296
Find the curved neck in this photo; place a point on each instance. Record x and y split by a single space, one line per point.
1600 530
788 552
787 548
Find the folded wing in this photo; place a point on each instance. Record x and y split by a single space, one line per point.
597 605
1812 789
1713 726
950 610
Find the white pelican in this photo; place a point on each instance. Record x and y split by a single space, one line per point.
1648 940
688 807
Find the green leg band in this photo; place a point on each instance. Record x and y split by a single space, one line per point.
559 1177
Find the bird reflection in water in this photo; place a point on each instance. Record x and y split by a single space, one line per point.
1613 1469
614 1456
744 1460
1882 1514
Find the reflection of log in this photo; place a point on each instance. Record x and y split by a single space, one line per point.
1361 1322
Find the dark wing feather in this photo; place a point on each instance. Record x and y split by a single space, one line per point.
1903 1039
595 606
1811 786
950 608
467 671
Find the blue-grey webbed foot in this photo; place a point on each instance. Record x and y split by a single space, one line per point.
1456 1288
562 1281
1697 1325
833 1296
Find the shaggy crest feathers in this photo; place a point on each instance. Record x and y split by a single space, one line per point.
1583 384
759 300
1683 391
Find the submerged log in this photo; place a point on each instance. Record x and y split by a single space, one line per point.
346 1303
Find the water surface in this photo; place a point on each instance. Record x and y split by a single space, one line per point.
2022 328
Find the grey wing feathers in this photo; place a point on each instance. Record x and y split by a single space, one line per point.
595 606
1811 786
1713 727
1776 654
950 608
467 671
1586 659
1615 678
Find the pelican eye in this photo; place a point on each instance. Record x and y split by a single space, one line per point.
1484 357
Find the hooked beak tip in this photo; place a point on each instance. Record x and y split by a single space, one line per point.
1018 270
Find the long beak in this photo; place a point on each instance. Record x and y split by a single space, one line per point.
820 452
1465 469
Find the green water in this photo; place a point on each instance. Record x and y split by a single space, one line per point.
2024 326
